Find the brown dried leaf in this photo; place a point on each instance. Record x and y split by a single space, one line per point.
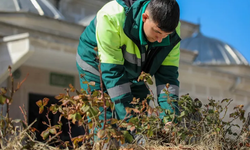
39 103
41 109
19 84
128 110
92 83
167 85
135 101
76 97
150 110
136 110
60 96
101 134
72 89
65 102
95 48
45 101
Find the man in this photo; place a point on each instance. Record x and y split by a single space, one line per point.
132 36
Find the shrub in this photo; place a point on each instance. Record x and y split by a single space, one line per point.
196 125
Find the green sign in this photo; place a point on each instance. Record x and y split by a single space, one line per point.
61 79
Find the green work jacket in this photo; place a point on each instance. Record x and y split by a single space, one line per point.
124 52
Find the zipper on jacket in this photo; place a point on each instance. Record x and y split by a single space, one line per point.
150 55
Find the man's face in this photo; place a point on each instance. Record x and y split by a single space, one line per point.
152 32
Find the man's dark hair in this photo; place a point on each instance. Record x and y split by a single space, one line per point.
166 13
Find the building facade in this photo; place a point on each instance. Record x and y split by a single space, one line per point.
40 38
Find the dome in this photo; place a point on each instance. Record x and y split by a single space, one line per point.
212 51
40 7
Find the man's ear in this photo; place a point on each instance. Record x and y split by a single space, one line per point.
144 16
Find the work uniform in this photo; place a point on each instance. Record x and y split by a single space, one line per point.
117 32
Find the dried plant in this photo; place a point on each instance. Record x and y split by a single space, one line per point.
196 126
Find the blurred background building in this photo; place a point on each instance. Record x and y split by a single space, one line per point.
40 38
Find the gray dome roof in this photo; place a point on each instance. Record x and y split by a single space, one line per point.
40 7
212 51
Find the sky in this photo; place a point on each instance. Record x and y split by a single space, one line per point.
225 20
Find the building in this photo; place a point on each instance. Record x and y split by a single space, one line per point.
40 38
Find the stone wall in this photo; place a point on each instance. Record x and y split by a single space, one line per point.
205 83
38 82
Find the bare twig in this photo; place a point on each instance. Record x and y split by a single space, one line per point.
47 116
24 115
11 93
226 107
151 92
70 134
19 84
124 120
102 97
53 137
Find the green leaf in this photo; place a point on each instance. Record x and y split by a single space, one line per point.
85 82
128 137
166 119
3 90
2 123
218 129
182 114
150 132
124 125
2 100
183 136
60 109
45 134
90 125
186 108
93 111
114 121
53 108
73 117
77 140
85 108
134 120
52 131
41 109
129 126
149 81
78 116
227 100
210 111
95 93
